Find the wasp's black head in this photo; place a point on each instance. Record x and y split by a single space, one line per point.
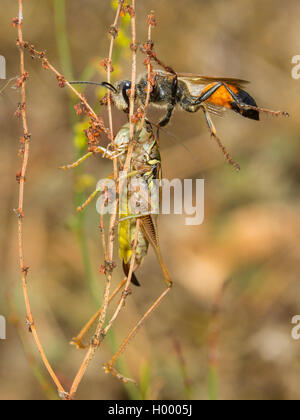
246 99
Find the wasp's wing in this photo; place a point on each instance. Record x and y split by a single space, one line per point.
197 83
205 80
199 80
215 110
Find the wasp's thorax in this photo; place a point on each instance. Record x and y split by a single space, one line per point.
161 94
162 91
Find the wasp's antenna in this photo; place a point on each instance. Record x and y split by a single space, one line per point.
105 84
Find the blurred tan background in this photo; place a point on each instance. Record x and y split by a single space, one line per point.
249 240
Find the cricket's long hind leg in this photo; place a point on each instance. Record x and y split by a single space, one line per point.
150 230
109 367
78 340
214 134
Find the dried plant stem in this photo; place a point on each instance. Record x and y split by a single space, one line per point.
149 85
63 82
83 100
129 156
132 97
20 212
93 346
109 67
133 80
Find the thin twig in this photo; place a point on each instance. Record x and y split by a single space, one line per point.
20 212
63 82
133 78
151 23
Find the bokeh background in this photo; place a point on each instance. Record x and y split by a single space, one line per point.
225 330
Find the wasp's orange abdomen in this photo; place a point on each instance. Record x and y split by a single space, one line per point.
221 97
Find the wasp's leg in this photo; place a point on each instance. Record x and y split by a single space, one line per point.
214 134
166 119
189 106
190 103
109 367
192 106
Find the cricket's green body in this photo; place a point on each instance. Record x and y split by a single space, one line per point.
135 199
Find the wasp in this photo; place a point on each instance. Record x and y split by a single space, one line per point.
212 95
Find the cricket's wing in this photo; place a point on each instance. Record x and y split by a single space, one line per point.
149 228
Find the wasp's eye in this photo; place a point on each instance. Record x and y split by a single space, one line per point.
127 85
125 89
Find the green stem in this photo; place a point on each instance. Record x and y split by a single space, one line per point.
213 379
62 39
67 68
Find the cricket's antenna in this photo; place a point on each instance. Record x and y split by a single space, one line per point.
105 84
